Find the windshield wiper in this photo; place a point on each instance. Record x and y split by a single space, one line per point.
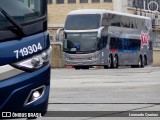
20 31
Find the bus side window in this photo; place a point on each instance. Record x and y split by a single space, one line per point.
104 40
114 43
134 44
114 20
105 20
119 22
120 43
133 23
125 44
126 22
139 24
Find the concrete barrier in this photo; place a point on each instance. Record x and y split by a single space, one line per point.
156 58
57 56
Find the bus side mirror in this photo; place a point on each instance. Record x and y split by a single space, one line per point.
60 34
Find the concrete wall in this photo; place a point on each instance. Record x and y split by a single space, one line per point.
156 58
57 57
120 6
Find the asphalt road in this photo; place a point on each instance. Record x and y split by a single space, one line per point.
123 89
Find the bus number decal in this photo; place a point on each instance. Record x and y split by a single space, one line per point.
28 50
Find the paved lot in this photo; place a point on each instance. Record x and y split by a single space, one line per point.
123 89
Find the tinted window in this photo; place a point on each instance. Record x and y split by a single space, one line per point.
107 0
82 22
114 43
126 21
132 44
49 1
102 42
126 44
95 1
71 1
139 24
59 1
83 1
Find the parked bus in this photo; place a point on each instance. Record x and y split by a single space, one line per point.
24 57
95 37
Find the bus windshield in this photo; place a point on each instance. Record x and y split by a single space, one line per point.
22 11
82 22
82 42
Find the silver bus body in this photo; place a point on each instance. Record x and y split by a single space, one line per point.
119 44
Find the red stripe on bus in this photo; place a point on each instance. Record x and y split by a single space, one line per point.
113 50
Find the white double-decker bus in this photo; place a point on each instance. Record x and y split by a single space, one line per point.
94 37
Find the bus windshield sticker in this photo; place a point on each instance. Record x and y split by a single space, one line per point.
73 49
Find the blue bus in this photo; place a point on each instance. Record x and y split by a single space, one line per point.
24 56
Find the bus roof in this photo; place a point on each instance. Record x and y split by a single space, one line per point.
102 11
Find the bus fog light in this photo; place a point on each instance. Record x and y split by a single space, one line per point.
35 95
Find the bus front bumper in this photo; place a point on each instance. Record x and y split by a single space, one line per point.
16 93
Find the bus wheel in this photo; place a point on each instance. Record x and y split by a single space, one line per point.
85 67
140 62
115 62
134 66
110 62
77 67
145 60
106 67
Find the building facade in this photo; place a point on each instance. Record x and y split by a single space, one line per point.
149 8
58 9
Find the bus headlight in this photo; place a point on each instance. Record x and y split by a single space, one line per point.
94 57
34 63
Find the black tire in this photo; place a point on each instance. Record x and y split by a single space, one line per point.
110 61
115 62
106 67
140 62
77 67
85 67
134 66
145 60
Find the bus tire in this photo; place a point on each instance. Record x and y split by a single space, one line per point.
115 62
110 62
77 67
106 67
85 67
145 60
134 66
141 62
